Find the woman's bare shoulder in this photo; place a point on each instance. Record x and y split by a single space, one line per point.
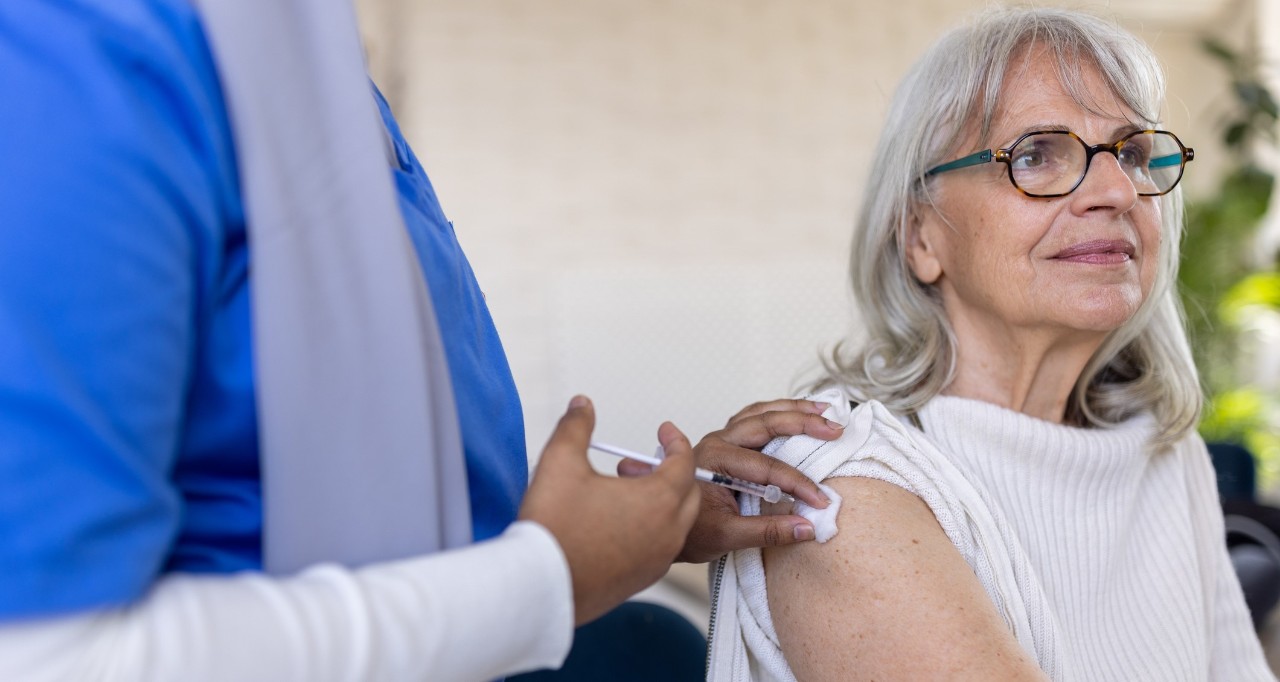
889 597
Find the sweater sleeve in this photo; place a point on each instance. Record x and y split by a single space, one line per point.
477 613
1235 651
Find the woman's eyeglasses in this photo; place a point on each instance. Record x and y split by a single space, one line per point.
1052 163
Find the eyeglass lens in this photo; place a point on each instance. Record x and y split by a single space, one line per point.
1053 163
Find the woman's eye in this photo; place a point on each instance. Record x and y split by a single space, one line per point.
1132 156
1029 159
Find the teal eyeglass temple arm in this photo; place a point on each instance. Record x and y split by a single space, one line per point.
1169 160
983 156
986 155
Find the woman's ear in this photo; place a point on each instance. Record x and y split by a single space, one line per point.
922 253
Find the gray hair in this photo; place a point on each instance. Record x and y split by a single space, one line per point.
909 353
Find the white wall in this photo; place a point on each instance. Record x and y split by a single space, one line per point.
657 194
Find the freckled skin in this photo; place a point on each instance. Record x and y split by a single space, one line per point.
887 598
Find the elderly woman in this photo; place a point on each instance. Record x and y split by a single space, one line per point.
1024 495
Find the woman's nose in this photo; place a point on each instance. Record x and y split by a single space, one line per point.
1106 185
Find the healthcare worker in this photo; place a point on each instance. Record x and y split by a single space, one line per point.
255 419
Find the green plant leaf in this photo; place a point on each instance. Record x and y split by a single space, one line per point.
1221 51
1235 134
1247 93
1257 290
1231 414
1218 281
1267 103
1265 446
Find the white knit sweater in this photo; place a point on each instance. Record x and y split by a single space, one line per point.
1106 563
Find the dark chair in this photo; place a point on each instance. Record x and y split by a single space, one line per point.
636 642
1236 470
1253 530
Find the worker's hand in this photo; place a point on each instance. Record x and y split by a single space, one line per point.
619 535
733 450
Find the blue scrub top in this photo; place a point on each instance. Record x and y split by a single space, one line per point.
128 432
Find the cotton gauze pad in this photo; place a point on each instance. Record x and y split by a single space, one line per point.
823 520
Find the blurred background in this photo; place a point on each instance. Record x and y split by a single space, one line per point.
656 195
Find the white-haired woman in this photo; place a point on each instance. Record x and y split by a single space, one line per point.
1024 495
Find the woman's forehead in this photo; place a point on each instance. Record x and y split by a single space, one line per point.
1036 93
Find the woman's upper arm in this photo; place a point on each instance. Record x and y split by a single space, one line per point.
889 597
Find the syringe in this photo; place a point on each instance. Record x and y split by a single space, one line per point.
770 493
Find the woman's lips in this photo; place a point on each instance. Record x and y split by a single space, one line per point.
1098 252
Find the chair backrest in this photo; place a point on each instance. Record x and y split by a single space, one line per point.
1236 469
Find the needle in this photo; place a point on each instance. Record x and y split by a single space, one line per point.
770 493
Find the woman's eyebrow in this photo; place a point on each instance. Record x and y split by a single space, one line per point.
1122 130
1006 140
1116 133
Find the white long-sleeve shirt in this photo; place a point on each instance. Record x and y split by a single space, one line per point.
477 613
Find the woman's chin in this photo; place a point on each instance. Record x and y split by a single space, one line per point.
1101 319
1102 309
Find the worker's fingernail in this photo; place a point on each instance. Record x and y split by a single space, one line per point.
578 401
835 425
803 531
819 408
